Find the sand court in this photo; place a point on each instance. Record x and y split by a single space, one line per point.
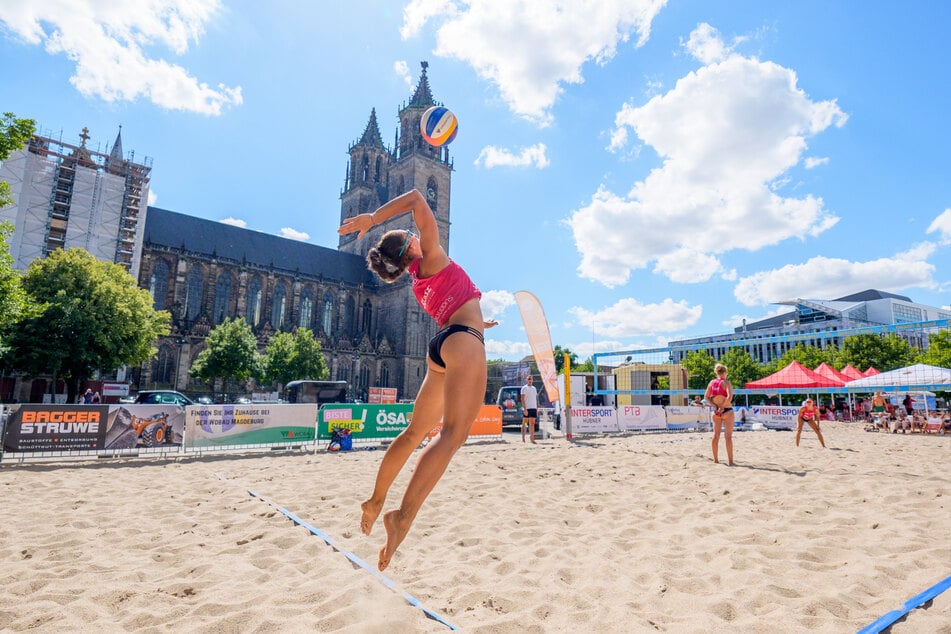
624 533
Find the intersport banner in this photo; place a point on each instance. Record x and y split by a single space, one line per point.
589 420
386 420
254 424
539 338
640 417
771 416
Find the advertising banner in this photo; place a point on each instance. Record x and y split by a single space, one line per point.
771 416
640 417
254 424
487 423
589 420
93 427
539 338
687 416
115 389
35 428
364 421
382 395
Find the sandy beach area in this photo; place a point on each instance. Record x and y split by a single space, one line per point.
629 533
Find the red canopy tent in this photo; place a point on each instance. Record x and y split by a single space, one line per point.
794 375
870 372
829 372
852 372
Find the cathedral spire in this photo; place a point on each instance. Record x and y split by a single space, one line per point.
116 153
371 136
423 96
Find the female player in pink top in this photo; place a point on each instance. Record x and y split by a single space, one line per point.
719 393
810 415
454 386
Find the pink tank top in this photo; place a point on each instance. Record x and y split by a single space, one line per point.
442 294
717 388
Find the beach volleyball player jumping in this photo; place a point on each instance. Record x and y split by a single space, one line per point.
454 386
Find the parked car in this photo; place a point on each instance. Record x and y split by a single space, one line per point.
162 397
510 400
204 400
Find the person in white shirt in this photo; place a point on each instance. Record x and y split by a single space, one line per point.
529 409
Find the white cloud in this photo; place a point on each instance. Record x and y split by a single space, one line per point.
531 49
630 318
725 133
706 45
826 278
153 197
401 68
294 234
814 161
534 156
106 40
235 222
494 303
942 225
509 350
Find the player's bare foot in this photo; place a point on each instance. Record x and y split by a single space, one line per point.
396 529
370 513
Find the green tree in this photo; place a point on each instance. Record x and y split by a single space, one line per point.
586 366
882 353
742 367
289 357
699 365
13 299
14 133
231 353
90 315
939 350
560 353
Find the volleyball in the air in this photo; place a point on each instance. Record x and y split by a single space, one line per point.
439 126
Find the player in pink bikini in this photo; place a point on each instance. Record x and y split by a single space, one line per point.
719 393
454 386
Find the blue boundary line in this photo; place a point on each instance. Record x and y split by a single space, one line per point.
389 583
918 600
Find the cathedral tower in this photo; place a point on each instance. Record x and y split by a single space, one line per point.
376 174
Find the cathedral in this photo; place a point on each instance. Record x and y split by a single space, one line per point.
373 334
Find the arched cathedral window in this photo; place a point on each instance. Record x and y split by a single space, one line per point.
222 298
253 309
278 302
193 290
306 309
158 284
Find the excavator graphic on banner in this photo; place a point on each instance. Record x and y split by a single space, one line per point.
153 430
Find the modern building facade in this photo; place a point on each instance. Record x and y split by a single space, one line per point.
373 334
817 322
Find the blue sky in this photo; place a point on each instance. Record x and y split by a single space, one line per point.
651 170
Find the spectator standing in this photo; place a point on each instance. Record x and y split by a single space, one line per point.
529 408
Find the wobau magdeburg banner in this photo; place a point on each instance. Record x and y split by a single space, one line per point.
94 427
254 424
387 420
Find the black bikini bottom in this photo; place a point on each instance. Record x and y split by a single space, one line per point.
435 344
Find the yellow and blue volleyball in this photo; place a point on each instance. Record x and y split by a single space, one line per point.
439 126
